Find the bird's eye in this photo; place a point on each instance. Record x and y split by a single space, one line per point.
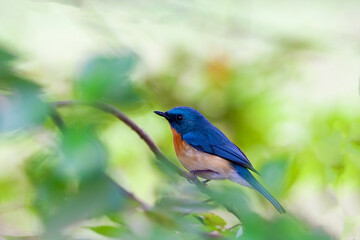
179 117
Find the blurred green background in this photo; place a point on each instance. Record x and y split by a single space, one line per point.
280 78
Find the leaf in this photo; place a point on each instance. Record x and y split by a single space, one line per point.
95 197
273 173
239 233
61 200
108 231
183 205
233 199
281 228
213 221
83 154
22 107
6 56
108 78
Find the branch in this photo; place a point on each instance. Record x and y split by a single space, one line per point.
142 134
57 119
151 144
60 123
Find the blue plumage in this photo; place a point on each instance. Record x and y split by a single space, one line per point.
201 135
245 174
214 142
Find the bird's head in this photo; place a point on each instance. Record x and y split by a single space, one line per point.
183 119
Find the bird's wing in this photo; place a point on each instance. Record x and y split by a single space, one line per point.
216 143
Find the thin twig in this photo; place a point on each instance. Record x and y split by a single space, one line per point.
236 225
60 123
57 119
151 144
121 116
144 206
191 211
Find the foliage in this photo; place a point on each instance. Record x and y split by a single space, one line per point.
70 184
83 174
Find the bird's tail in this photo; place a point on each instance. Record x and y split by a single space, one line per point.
251 180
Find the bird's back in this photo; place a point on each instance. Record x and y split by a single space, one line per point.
208 138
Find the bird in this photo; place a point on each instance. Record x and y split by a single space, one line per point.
206 152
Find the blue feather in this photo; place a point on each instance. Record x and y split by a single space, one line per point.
246 174
214 142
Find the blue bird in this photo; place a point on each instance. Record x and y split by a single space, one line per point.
206 152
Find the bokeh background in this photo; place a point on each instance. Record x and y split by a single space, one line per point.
280 78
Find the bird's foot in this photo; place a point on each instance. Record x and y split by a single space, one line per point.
192 178
195 179
205 181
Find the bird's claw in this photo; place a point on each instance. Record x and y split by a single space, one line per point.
192 178
205 181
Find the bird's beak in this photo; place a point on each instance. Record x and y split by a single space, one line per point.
163 114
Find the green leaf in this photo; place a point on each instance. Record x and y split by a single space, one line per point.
183 205
281 228
23 109
83 154
61 200
213 221
108 78
108 231
273 173
6 56
95 197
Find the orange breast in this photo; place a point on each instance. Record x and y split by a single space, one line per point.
179 143
193 159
